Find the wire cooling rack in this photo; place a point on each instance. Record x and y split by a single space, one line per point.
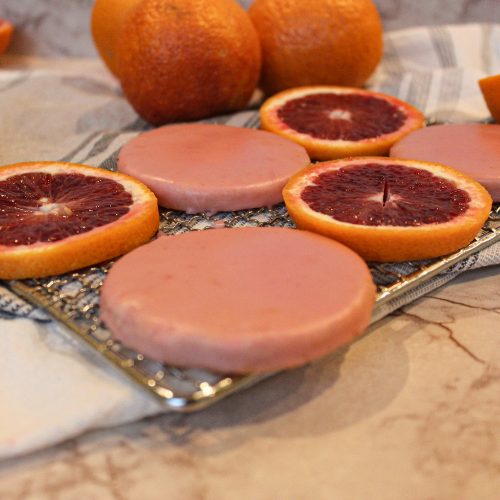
73 299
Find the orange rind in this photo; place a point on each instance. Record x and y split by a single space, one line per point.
490 88
318 42
58 217
335 122
389 210
185 60
108 17
6 31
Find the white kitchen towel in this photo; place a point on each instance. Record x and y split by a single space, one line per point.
51 388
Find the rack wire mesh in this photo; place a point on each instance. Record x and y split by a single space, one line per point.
73 299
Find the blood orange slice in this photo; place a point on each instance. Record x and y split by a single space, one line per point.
335 122
389 209
58 217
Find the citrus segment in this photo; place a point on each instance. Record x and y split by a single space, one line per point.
490 88
238 300
318 42
57 217
389 209
335 122
6 31
472 148
187 59
211 168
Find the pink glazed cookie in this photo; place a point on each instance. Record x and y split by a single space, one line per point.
238 300
212 168
471 148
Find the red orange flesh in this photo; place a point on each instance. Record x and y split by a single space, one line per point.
389 217
54 231
336 122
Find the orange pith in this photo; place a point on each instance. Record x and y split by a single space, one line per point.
490 88
40 259
318 42
328 149
6 30
187 59
108 17
391 243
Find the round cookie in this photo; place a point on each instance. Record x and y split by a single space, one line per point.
472 148
238 300
212 168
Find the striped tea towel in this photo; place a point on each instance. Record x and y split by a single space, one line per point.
74 111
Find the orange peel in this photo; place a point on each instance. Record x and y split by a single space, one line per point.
48 229
333 122
490 88
388 209
6 32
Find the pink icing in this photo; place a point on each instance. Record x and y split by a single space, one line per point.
198 168
238 300
474 149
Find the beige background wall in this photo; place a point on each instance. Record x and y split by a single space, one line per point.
61 27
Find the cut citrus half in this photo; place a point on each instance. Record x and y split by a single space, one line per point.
335 122
57 217
387 209
6 30
490 88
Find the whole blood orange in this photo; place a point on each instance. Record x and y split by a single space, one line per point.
57 217
334 122
490 88
187 59
318 42
388 209
108 17
6 30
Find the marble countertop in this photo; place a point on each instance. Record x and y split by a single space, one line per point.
408 411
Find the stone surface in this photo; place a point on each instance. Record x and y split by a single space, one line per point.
408 411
